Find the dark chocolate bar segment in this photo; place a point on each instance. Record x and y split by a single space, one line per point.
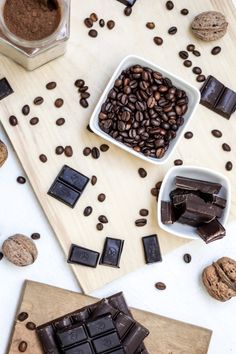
74 178
167 213
5 88
211 91
112 252
83 256
151 249
47 339
212 231
197 185
226 105
64 193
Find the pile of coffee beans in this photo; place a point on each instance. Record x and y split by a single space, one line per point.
93 18
83 92
144 111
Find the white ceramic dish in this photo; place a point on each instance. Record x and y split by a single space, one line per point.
192 93
168 185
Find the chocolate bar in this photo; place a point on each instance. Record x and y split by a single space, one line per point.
197 185
5 88
128 2
151 249
167 213
83 256
212 231
217 97
103 329
112 252
68 186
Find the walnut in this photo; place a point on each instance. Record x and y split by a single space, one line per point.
209 26
3 153
220 279
20 250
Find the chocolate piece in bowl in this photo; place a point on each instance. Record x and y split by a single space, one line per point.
197 185
211 231
167 213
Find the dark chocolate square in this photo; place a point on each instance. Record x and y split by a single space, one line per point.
112 252
5 88
74 178
151 249
83 256
212 231
83 348
226 105
63 193
211 91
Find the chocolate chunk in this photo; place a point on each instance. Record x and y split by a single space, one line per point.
74 178
127 2
64 193
151 249
212 231
220 202
167 214
5 88
112 252
226 104
196 184
83 256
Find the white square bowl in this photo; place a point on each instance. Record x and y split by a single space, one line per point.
168 185
192 93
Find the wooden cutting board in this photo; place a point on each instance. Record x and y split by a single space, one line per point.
44 303
94 59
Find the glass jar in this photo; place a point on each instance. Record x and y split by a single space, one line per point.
32 54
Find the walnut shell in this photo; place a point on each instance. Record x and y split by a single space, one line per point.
220 279
209 25
20 250
3 153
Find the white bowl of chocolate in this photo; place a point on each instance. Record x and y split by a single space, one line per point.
144 109
194 203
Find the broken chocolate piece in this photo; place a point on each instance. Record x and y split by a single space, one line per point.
167 214
83 256
226 104
112 252
197 185
151 249
220 202
212 231
5 88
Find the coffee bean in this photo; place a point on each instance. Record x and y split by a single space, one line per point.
68 151
93 180
93 17
59 150
83 89
226 147
216 133
143 212
34 121
104 147
1 256
158 184
84 103
160 286
184 12
38 100
79 83
21 180
103 219
201 78
228 166
22 347
158 40
178 162
169 5
59 102
31 326
190 47
13 121
183 54
140 222
172 30
101 23
35 236
25 110
196 70
187 63
95 153
150 25
128 10
188 135
22 316
43 158
93 33
110 24
101 197
216 50
99 226
196 53
88 211
85 95
88 22
142 172
51 85
60 121
154 192
187 258
86 151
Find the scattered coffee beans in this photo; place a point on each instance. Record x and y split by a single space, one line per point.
187 258
104 147
226 147
101 197
216 50
13 121
43 158
228 166
178 162
51 85
150 25
172 30
142 172
1 256
35 236
93 33
188 135
216 133
101 23
88 22
183 54
88 211
141 222
59 150
169 5
158 40
79 83
99 226
87 151
93 17
187 63
201 78
22 347
68 151
22 316
196 70
160 286
103 219
60 121
184 12
31 326
59 103
34 121
190 47
95 153
143 212
128 10
110 24
38 100
196 53
93 180
25 110
21 180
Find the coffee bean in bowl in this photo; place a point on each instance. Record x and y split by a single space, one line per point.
144 109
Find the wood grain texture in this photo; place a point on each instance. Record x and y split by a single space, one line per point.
95 60
44 303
